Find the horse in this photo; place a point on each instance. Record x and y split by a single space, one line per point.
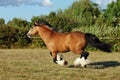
58 42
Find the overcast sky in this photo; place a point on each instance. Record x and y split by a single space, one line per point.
26 9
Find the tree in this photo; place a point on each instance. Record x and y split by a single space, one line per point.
18 22
34 18
2 22
83 11
112 13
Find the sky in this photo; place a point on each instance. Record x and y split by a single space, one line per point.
26 9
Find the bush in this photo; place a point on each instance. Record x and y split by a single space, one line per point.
13 37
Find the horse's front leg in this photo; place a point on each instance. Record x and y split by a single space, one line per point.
58 59
54 55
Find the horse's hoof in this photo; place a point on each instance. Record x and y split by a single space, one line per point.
62 62
81 62
84 66
65 63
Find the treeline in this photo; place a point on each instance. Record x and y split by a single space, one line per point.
82 15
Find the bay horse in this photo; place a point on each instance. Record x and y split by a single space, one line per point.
58 42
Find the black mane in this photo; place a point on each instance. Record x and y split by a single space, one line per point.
43 22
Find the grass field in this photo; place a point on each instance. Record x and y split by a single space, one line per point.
36 64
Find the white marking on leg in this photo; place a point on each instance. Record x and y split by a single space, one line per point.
81 61
58 57
77 62
59 61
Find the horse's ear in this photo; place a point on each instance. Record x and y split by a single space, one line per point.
36 23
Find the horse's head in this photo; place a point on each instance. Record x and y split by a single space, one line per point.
33 30
37 26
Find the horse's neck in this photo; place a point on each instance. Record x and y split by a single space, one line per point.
45 34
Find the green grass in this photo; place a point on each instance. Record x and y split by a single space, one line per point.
36 64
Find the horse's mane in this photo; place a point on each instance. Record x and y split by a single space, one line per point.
44 23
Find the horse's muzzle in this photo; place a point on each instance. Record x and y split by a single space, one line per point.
29 35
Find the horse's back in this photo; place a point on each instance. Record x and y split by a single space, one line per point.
77 35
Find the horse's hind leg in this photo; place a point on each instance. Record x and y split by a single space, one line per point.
83 57
84 54
82 60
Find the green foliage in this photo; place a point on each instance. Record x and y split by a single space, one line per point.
22 38
112 13
7 36
17 22
2 22
13 37
83 11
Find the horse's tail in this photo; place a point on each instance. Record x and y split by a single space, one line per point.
95 42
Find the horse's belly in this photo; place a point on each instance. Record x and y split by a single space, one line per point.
57 48
62 48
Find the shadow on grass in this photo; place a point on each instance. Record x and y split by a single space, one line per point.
100 65
105 64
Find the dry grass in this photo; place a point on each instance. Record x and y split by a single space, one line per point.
36 64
